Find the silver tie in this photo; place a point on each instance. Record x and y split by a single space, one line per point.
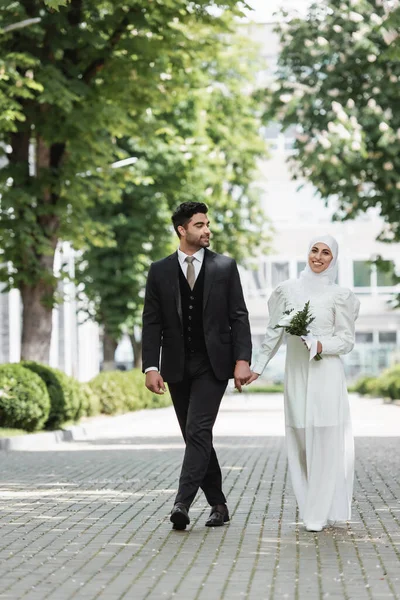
190 274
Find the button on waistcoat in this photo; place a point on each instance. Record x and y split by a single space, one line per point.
192 312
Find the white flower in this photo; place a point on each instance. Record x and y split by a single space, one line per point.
285 98
334 93
332 127
325 143
371 58
336 107
355 17
398 185
371 103
303 137
337 28
322 41
398 134
376 19
308 43
355 146
357 36
350 103
310 147
321 157
388 166
334 160
376 90
383 127
330 68
393 79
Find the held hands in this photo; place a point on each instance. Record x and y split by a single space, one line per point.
242 374
253 377
155 383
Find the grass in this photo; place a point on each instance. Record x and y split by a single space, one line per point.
5 432
263 389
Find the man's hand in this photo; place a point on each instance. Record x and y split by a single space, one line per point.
155 383
242 374
253 377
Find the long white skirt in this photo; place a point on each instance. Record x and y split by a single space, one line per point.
319 438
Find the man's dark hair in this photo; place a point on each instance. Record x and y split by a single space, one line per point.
185 212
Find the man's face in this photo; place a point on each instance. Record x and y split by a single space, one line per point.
197 233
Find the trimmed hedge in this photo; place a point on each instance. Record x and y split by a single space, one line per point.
387 385
24 399
67 400
124 391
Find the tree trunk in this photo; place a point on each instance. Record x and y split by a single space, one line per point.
136 342
36 322
109 347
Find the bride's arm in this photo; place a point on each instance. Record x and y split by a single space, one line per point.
346 312
273 337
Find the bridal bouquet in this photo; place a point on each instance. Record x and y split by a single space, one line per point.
297 324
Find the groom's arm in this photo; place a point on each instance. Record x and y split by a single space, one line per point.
238 318
152 324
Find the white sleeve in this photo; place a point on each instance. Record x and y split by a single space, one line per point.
347 307
273 337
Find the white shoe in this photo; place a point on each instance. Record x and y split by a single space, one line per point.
313 527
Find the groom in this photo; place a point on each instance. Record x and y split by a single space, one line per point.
195 316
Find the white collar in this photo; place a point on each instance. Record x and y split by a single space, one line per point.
199 255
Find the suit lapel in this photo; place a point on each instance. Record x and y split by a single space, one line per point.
173 276
210 269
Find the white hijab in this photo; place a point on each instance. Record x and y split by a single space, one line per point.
327 277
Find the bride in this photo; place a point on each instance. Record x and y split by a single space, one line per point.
319 439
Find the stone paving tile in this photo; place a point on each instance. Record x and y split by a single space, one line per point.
92 522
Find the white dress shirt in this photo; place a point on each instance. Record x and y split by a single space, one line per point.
197 263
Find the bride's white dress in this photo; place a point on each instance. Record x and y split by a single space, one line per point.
319 438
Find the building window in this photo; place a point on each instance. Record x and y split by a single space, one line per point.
279 272
362 273
388 337
384 274
364 337
301 265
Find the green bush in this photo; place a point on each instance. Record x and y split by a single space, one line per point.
363 385
90 400
66 397
387 384
124 391
24 399
262 389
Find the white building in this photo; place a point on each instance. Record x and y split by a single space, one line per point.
75 345
297 216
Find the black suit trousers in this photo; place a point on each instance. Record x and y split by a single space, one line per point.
196 400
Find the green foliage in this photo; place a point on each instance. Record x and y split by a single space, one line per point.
24 400
262 389
387 385
90 401
363 385
72 84
123 391
68 402
203 144
338 82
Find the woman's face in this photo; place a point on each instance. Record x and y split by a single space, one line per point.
320 257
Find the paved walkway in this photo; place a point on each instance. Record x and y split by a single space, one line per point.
89 519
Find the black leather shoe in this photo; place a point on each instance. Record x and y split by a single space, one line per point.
179 516
219 515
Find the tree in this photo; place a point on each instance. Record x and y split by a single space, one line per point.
338 81
71 84
204 147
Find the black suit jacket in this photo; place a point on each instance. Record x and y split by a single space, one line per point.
225 318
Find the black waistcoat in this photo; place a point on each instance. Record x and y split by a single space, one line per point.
192 312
